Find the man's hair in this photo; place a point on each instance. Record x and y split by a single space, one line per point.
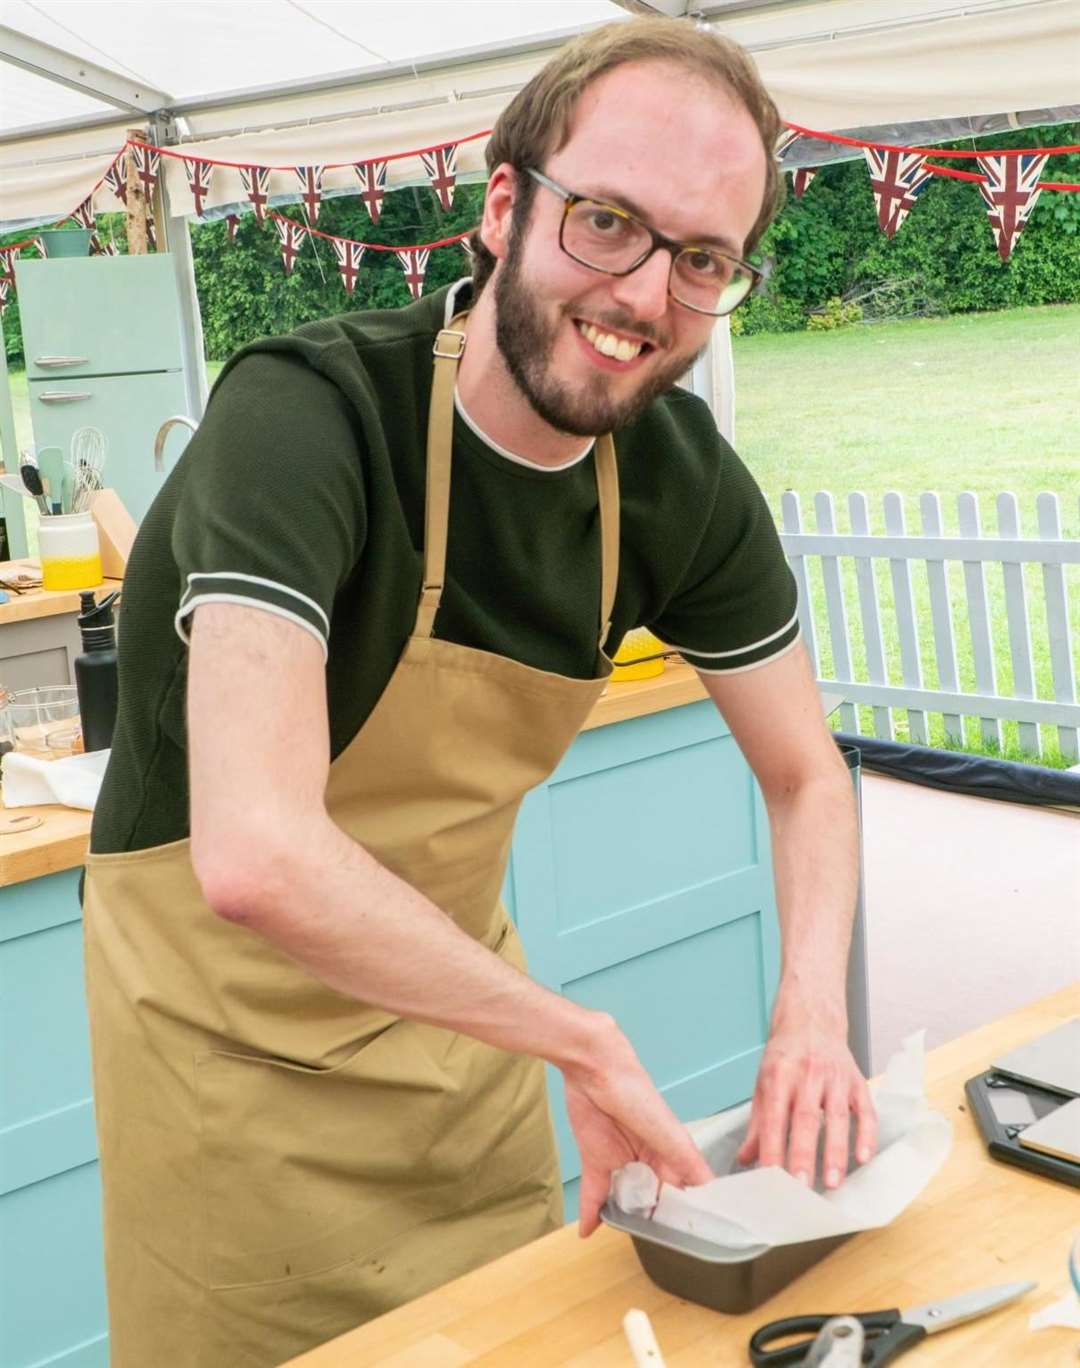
537 121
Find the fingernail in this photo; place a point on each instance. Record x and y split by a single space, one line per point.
832 1178
803 1178
863 1155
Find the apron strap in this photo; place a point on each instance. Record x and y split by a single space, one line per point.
448 350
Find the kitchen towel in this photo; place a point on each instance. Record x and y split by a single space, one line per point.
74 781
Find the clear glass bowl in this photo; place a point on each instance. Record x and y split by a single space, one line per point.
43 722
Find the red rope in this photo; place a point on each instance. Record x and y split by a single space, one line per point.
932 151
372 246
327 166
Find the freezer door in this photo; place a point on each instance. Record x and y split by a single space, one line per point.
128 409
99 315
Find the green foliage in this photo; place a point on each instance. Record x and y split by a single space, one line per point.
836 314
244 292
943 259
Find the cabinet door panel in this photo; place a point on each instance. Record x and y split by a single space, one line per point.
110 315
643 887
128 409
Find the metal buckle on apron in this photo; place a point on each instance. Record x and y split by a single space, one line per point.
453 339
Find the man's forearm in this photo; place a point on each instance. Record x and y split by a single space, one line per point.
816 863
330 906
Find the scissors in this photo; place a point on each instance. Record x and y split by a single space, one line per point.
888 1334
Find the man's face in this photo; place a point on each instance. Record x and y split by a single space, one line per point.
685 158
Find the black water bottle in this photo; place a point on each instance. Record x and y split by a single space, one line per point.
95 670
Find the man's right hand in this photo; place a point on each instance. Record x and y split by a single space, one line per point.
618 1116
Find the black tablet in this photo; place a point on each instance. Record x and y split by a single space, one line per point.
1002 1107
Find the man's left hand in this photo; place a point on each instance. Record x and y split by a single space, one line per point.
807 1076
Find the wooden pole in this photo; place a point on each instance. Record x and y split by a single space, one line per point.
135 224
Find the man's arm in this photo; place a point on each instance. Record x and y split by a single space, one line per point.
775 716
268 856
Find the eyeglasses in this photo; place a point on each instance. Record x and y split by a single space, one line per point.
608 239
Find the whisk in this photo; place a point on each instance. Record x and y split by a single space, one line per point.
86 464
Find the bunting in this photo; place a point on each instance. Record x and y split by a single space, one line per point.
800 180
5 286
441 165
372 178
116 178
467 248
414 262
84 215
784 141
256 183
198 179
147 166
99 247
292 237
310 178
348 259
1009 192
897 179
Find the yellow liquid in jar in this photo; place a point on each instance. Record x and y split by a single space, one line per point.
71 572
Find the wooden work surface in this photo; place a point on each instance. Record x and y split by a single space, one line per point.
41 603
561 1300
60 841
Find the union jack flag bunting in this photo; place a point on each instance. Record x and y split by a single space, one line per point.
256 183
1009 192
7 265
5 286
441 165
198 179
84 215
466 247
98 247
414 262
116 178
372 178
292 237
147 165
800 180
784 141
348 255
310 178
897 179
231 221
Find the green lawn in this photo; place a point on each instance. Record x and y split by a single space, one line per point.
982 402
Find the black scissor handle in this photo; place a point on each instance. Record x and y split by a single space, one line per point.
882 1342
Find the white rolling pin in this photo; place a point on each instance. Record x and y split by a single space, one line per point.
639 1336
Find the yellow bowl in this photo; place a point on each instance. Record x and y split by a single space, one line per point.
639 657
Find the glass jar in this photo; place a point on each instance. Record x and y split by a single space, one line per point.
70 551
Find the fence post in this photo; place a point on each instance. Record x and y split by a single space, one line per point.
791 519
834 602
871 614
941 615
1016 613
982 646
1057 622
905 615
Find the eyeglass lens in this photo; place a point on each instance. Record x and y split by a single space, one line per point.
599 237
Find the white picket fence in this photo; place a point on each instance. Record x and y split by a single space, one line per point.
974 550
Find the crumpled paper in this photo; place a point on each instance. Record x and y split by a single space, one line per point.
74 780
1064 1313
741 1208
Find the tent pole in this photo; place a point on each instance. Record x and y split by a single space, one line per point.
175 238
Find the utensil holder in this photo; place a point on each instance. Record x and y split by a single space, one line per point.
70 552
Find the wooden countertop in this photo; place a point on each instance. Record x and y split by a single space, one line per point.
61 839
41 603
561 1300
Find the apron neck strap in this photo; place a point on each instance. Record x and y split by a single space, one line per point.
448 351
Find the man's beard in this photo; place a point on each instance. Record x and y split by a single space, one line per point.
526 342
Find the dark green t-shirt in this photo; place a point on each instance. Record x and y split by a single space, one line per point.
303 493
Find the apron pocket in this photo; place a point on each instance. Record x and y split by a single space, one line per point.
304 1169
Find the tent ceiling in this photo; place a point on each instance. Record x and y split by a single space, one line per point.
315 81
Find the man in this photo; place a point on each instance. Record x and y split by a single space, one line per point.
318 1063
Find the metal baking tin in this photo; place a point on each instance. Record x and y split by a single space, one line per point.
724 1279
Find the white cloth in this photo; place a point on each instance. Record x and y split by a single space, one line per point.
74 781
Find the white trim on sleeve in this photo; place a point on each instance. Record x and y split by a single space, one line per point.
742 669
254 579
187 608
741 650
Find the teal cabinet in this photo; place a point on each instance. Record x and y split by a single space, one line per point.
641 884
52 1284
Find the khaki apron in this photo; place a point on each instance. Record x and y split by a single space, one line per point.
279 1161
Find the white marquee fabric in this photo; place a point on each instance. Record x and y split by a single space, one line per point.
835 65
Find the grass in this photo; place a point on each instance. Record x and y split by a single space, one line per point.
980 402
986 403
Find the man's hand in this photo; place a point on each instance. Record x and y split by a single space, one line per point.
807 1072
618 1116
